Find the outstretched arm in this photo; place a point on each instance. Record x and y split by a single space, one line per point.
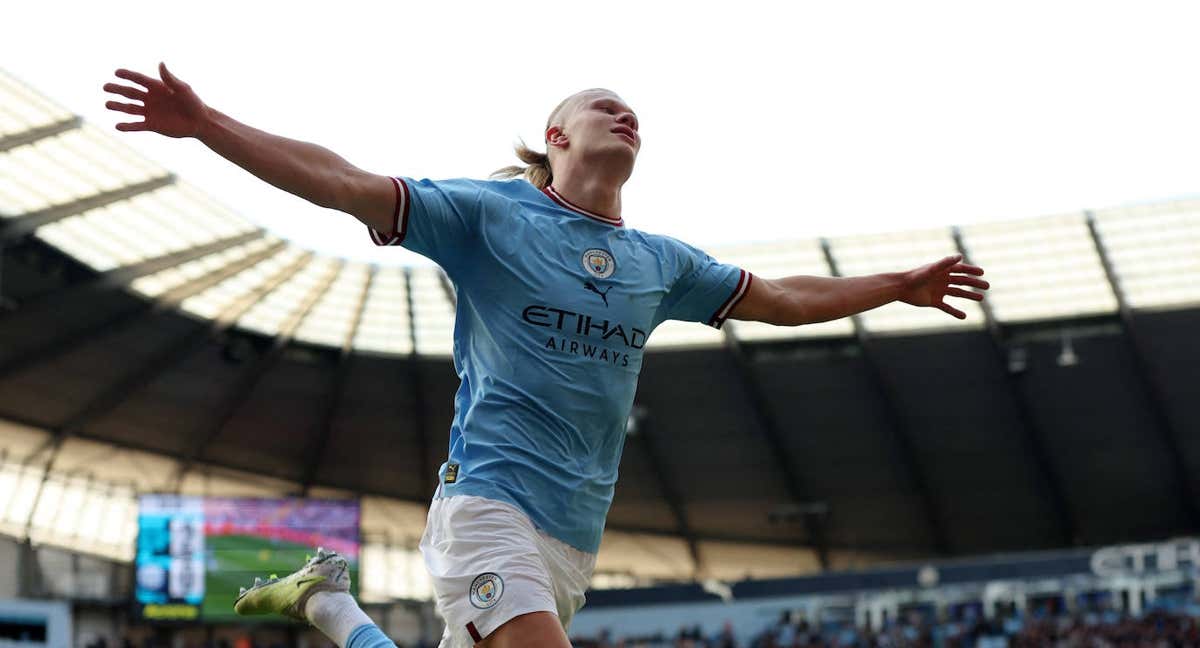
792 301
170 107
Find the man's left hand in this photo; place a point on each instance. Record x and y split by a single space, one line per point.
930 284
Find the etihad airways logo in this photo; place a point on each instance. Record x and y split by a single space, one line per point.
582 324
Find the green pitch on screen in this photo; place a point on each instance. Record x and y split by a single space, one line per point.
237 559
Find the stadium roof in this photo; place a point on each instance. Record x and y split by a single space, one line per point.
142 318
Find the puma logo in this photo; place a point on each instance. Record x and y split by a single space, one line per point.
603 295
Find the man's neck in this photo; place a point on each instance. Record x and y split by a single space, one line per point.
594 193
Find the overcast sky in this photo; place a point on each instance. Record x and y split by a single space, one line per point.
761 120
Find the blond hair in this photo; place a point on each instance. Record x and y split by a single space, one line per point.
538 171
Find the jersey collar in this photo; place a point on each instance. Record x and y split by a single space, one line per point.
566 204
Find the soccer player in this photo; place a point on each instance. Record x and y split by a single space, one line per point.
556 298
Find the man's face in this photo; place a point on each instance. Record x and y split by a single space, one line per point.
600 128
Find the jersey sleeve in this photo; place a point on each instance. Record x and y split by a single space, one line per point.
436 219
703 289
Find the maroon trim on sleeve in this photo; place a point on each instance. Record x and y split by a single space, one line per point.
743 287
475 636
399 217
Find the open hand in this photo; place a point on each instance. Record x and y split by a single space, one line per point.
168 106
930 284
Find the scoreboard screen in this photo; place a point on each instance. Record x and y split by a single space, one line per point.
194 553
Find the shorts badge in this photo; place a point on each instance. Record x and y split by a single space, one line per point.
486 590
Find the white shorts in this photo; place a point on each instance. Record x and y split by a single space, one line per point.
490 564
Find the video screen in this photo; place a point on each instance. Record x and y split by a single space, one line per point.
194 553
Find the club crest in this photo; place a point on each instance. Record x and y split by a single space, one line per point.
486 590
599 263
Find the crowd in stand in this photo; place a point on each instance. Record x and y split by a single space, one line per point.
1158 629
1154 630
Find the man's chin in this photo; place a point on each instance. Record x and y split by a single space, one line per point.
616 157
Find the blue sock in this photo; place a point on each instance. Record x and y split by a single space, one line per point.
368 635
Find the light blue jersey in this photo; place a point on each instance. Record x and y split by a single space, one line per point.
555 304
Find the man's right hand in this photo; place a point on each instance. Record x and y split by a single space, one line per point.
168 107
314 173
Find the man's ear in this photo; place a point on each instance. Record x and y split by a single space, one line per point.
556 137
